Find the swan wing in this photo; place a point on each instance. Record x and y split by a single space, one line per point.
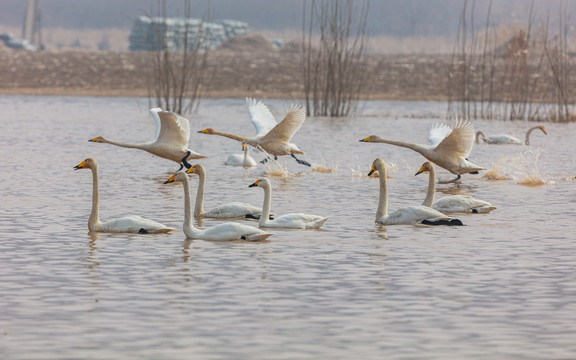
174 129
459 142
134 224
234 231
412 215
285 129
504 139
437 133
462 204
154 113
233 210
297 221
260 116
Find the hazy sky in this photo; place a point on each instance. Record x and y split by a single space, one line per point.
391 17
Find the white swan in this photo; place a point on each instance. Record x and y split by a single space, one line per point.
271 137
290 221
452 203
243 159
450 153
128 224
171 142
406 215
508 139
221 232
227 211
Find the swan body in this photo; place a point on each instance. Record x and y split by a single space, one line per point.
221 232
406 215
452 203
450 152
273 138
243 159
171 142
508 139
129 224
227 211
289 221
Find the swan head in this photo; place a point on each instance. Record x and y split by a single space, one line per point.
98 139
543 129
244 146
178 177
208 131
262 182
86 164
196 169
372 138
378 165
427 166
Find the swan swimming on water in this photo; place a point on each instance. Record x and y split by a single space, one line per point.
221 232
273 138
291 221
452 203
508 139
406 215
128 224
450 152
231 210
243 159
171 142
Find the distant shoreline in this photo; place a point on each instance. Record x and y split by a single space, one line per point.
233 74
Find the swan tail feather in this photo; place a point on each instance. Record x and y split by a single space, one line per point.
257 237
443 222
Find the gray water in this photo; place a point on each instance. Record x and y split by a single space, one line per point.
501 287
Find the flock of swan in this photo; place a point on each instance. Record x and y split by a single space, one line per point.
448 148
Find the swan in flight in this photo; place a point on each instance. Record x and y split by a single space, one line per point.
290 221
271 137
406 215
508 139
128 224
452 203
231 210
171 142
449 152
243 159
221 232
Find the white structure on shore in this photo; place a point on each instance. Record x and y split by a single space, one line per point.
173 33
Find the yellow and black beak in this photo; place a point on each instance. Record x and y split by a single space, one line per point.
365 139
255 183
80 166
171 179
420 171
544 130
203 131
243 146
94 140
191 170
372 170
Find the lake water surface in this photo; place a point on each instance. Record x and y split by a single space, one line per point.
501 287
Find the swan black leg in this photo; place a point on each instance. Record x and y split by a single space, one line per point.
184 162
303 162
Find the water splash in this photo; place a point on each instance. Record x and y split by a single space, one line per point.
276 169
362 171
521 167
323 168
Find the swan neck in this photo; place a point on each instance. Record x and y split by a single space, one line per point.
118 143
246 156
94 219
382 210
266 206
415 147
478 134
199 206
431 188
527 141
231 136
188 225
